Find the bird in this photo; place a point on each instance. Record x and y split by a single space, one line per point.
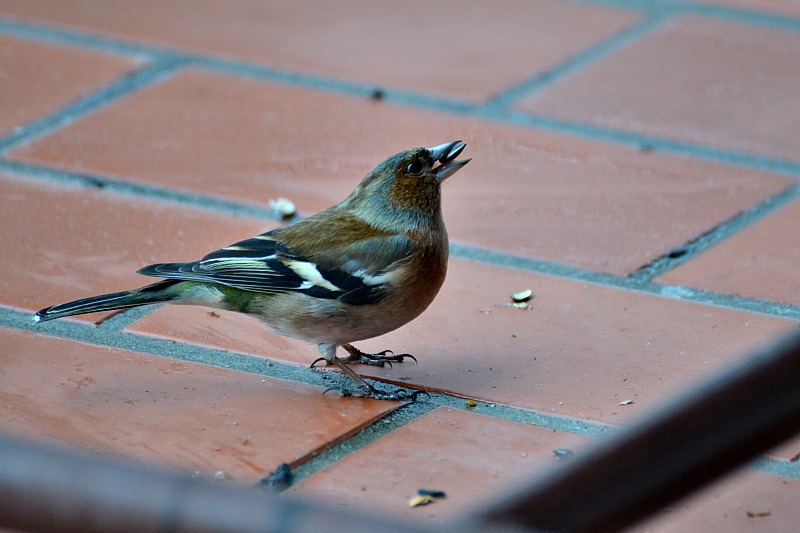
354 271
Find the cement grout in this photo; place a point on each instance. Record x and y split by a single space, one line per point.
692 249
536 83
113 336
140 190
165 61
677 8
111 333
677 292
173 59
128 83
641 281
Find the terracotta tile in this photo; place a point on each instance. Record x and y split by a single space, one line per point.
179 414
724 507
759 261
592 205
69 242
588 204
702 80
580 351
37 78
471 457
450 48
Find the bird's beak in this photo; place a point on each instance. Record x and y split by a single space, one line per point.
446 155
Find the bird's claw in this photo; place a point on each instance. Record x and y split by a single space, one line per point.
373 359
376 359
377 394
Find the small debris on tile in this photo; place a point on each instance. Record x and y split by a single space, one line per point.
795 458
424 497
646 148
758 513
213 314
377 94
283 208
219 475
471 403
563 454
524 306
279 480
417 501
520 300
523 296
626 402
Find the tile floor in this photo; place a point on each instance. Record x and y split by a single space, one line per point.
636 166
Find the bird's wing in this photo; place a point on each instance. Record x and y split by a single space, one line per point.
357 273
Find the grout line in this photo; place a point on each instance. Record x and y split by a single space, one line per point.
165 62
639 283
678 8
111 337
140 190
411 412
582 59
492 112
688 251
371 433
776 467
675 292
643 142
76 37
745 16
131 81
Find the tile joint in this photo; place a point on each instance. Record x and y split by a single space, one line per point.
493 111
130 82
113 337
692 248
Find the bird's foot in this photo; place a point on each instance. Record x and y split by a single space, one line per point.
374 359
371 392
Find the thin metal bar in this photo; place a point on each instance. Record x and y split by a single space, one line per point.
719 426
716 428
45 489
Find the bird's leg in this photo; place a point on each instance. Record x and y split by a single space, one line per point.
364 389
375 359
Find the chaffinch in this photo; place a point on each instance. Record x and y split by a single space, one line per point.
356 270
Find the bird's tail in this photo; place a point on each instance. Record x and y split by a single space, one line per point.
157 292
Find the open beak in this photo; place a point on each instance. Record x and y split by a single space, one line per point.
445 155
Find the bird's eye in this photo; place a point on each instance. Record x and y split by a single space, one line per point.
415 167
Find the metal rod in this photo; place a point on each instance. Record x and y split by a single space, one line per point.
720 425
45 489
648 465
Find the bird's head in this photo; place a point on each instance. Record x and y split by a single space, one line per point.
405 188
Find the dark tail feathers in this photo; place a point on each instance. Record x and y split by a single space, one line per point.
119 300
